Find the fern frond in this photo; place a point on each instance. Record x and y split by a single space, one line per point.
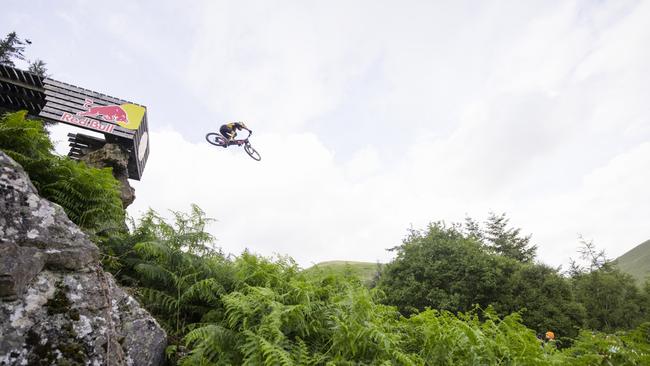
208 290
154 272
159 300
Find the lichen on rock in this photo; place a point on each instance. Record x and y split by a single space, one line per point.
57 305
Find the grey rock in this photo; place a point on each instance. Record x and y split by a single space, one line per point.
18 266
115 157
57 305
29 221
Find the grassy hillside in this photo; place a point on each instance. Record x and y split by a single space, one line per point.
365 271
636 262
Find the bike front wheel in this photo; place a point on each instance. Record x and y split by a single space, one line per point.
252 152
216 139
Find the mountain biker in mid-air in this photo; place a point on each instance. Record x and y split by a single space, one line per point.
229 130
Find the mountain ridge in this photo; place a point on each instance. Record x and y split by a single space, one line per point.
636 262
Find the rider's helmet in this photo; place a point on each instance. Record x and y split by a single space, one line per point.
549 335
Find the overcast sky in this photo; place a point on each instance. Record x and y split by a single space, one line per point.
375 116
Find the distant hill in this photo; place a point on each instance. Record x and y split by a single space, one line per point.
365 271
636 262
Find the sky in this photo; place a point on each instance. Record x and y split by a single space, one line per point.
373 117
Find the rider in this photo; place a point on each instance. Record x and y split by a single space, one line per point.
229 130
549 336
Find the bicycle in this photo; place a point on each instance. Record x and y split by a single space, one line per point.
217 139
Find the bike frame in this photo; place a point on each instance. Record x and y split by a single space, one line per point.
240 142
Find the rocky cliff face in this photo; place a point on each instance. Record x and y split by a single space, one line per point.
113 156
57 306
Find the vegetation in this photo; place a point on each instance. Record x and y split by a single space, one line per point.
636 262
498 238
13 48
610 296
89 196
365 272
251 310
454 267
454 295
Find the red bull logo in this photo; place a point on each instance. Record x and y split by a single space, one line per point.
125 115
87 122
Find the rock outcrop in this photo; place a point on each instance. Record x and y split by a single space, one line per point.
57 305
113 156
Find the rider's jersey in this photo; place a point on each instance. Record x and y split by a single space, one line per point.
235 125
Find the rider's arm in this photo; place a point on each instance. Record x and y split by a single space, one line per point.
243 125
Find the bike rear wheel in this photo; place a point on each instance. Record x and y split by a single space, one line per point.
216 139
252 152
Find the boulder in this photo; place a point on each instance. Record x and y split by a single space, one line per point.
115 157
57 305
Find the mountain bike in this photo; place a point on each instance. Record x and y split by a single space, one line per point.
217 139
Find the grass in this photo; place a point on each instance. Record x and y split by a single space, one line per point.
364 271
636 262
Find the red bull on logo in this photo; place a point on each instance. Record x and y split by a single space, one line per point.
110 113
126 115
87 122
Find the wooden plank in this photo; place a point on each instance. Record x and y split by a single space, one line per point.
13 74
53 90
86 92
22 95
87 139
21 83
72 104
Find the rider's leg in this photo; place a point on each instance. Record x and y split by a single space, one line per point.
227 134
231 138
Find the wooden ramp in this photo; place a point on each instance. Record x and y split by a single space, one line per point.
120 121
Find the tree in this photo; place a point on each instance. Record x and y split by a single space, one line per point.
545 299
38 67
442 269
12 47
500 238
611 298
450 268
